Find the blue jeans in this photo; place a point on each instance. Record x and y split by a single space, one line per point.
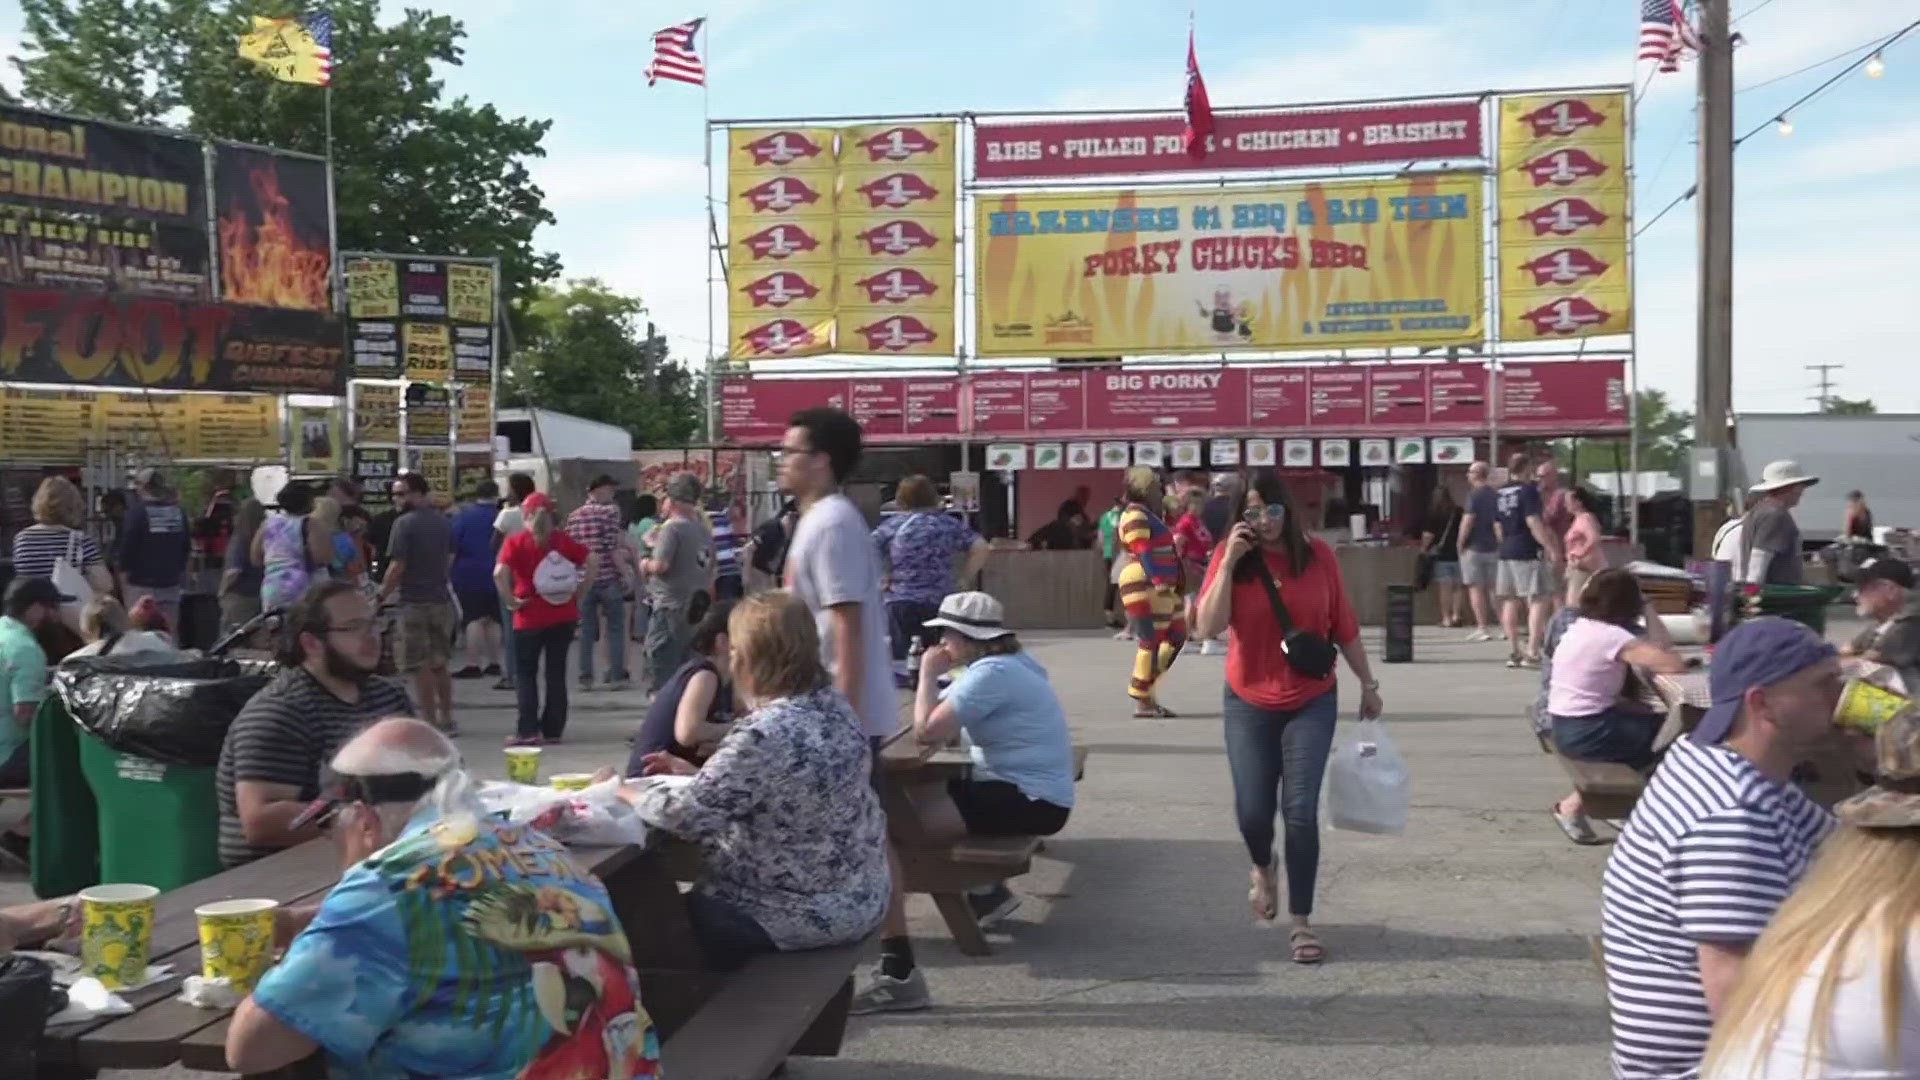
603 603
1278 759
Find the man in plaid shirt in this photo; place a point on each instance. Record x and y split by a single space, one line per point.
598 527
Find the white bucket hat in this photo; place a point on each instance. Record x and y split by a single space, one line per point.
974 614
1783 474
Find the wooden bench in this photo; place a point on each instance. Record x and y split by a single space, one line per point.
1607 789
737 1025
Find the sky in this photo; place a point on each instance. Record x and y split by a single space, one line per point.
1823 220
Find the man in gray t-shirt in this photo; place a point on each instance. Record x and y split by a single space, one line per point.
419 555
681 566
1770 538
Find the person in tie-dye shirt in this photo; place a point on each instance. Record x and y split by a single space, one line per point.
455 945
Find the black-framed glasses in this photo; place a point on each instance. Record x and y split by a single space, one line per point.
1273 514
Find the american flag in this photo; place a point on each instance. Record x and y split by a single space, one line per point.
1665 32
673 55
320 25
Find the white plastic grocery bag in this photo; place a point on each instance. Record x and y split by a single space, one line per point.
1367 783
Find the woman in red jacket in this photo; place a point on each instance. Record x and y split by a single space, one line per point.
1279 720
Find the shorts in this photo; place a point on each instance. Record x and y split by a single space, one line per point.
1522 579
1446 573
1616 735
477 604
425 639
997 808
1480 569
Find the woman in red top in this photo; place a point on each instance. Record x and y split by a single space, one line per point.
1279 722
1193 543
541 575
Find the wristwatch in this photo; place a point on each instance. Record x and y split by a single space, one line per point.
1371 686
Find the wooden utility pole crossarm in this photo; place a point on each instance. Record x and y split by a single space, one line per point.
1713 413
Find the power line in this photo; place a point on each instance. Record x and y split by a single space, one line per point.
1878 46
1809 67
1825 378
1751 10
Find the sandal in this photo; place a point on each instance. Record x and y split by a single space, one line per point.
1307 949
1264 881
1576 826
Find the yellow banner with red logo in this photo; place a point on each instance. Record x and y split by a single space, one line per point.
1562 237
1365 262
841 240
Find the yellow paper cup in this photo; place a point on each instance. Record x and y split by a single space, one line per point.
1864 706
236 940
571 781
116 933
523 764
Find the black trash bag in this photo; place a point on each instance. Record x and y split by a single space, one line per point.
27 998
174 713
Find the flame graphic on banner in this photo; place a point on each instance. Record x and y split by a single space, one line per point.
268 263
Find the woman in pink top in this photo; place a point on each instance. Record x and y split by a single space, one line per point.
1593 718
1584 557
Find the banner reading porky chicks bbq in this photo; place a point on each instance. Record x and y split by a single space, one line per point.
93 206
81 338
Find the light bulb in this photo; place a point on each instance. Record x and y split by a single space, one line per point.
1786 126
1875 66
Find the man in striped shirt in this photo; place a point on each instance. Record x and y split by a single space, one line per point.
323 694
1715 844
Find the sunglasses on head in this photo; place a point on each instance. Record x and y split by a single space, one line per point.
1274 514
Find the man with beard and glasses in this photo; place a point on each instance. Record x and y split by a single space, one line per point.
323 694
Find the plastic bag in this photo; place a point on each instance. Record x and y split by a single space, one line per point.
176 713
593 815
1367 783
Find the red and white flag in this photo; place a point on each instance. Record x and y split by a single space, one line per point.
1199 109
1666 34
674 57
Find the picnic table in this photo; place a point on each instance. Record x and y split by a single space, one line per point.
788 1002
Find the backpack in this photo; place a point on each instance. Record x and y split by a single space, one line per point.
557 577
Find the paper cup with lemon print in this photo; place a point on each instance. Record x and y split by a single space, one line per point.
1865 707
116 933
236 940
523 764
571 781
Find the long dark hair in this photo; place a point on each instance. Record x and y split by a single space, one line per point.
1266 483
1443 504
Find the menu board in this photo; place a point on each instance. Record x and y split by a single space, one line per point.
376 412
236 427
427 317
473 426
144 423
375 468
429 415
48 427
1569 397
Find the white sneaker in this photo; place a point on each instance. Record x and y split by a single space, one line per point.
1479 635
887 994
1213 648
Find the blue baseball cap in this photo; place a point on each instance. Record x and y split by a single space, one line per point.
1758 652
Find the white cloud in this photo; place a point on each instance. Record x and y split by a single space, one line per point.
573 179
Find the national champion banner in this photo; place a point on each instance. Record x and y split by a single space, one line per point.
1323 265
100 207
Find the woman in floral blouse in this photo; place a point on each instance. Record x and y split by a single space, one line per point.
784 811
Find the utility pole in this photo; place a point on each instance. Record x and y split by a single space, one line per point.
1826 384
1713 411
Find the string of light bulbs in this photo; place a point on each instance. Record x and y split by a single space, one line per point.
1875 66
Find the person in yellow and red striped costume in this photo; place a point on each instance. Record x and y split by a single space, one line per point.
1150 590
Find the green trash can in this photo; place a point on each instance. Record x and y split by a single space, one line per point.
159 823
1802 603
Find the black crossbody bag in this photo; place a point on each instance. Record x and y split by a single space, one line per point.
1308 653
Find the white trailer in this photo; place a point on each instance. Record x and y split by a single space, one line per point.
1877 455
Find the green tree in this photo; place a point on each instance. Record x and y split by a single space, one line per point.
1666 435
412 172
589 351
1839 406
